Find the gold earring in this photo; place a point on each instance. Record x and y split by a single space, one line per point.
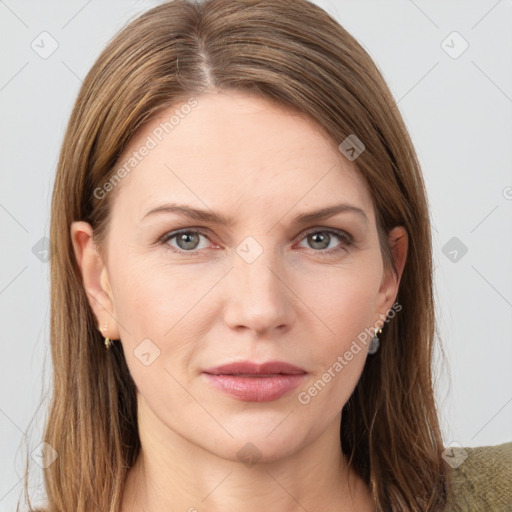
108 341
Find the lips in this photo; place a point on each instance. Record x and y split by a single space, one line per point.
252 382
254 369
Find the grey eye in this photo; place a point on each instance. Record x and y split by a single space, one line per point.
319 240
188 241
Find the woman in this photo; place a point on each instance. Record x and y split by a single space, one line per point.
242 312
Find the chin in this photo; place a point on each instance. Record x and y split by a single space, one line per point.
251 446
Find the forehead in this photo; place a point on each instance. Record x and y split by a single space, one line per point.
236 150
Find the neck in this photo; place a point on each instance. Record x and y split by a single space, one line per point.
173 474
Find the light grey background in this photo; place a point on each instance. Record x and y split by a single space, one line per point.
458 111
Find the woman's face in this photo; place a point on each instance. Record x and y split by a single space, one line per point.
246 281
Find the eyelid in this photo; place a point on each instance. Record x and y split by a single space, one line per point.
169 235
321 229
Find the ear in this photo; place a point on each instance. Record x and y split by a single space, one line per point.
398 242
95 278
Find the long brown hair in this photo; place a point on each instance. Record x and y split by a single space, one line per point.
292 53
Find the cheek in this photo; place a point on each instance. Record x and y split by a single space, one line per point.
344 302
346 308
162 321
164 313
152 299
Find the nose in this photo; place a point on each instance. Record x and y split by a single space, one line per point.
257 297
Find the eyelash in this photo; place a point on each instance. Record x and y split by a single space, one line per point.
346 239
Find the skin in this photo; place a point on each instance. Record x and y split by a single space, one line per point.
298 301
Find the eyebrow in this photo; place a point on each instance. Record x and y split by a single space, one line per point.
217 218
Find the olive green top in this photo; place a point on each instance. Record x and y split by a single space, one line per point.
481 478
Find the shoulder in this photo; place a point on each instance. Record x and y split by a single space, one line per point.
480 478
